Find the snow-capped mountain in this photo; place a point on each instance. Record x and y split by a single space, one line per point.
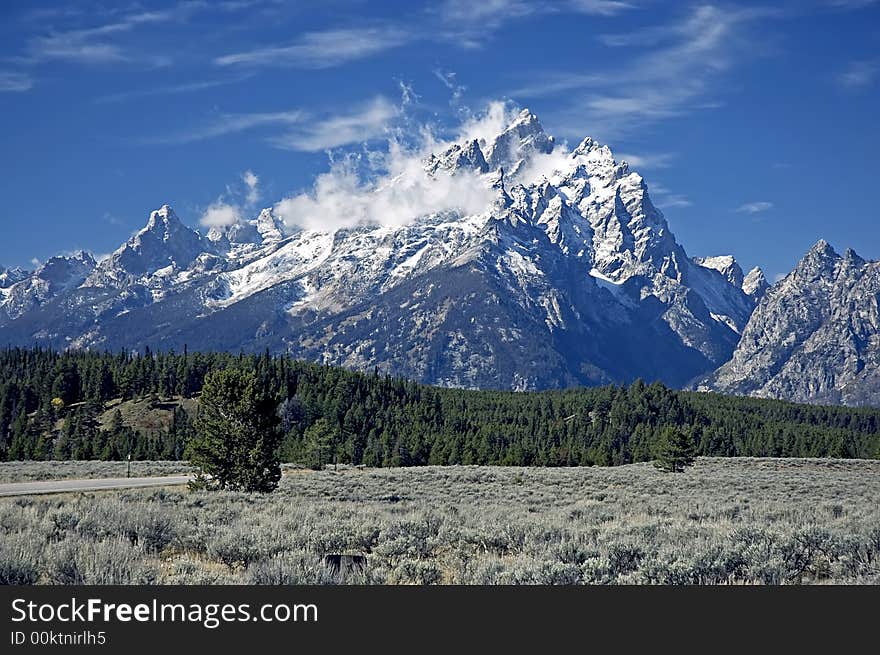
754 284
162 249
814 336
9 276
568 275
24 291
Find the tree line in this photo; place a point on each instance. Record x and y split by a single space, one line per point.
54 405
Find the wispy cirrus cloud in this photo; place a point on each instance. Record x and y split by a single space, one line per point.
295 129
648 160
859 74
13 82
756 207
674 69
850 4
488 13
100 44
449 79
666 199
224 124
600 7
468 24
172 89
369 121
461 23
673 200
324 49
493 13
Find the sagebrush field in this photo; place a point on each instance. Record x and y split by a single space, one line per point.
723 521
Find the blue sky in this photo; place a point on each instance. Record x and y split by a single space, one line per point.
755 125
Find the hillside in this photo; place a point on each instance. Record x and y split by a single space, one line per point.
378 420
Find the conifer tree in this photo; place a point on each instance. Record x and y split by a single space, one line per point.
236 434
674 450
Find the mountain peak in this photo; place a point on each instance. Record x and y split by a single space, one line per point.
520 140
724 264
755 283
851 257
269 226
66 270
526 118
9 276
163 216
164 241
820 261
823 248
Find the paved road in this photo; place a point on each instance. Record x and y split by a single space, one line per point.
62 486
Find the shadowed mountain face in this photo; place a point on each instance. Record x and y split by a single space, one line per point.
568 275
815 335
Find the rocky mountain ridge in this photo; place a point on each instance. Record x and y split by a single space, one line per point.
569 275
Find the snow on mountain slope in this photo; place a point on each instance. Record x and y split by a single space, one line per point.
566 254
724 264
162 248
814 336
755 284
27 291
9 276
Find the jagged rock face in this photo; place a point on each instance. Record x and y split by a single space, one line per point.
161 248
27 291
755 285
814 336
246 237
10 276
724 264
569 275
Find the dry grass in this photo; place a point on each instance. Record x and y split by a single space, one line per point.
724 521
86 470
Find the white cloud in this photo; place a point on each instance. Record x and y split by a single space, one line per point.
850 4
317 50
14 82
469 23
230 124
252 182
173 89
369 121
391 187
401 194
673 200
859 74
470 13
754 207
648 160
220 214
232 206
448 79
666 71
408 96
600 7
497 116
665 198
100 44
553 83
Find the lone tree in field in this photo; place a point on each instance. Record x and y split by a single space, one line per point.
674 450
236 435
318 444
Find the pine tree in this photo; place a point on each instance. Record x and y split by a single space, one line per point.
318 444
236 434
674 450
